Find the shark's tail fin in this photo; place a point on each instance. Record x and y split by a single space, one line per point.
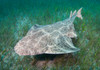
78 14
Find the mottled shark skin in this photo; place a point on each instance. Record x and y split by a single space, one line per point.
50 39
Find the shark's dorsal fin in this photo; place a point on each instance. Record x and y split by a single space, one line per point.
78 14
70 14
74 12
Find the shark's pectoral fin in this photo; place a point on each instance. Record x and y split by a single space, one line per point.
66 44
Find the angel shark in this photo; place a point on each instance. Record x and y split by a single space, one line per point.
50 39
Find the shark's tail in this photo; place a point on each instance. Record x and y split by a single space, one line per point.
78 14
